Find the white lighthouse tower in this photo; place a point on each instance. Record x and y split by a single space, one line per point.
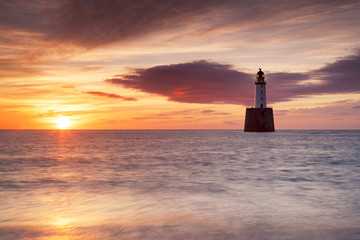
259 118
260 90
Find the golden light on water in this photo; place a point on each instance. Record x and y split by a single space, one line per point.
63 122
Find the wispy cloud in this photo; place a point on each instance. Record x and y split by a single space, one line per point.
184 114
93 23
110 95
107 21
231 123
208 111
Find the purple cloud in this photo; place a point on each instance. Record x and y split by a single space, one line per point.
92 23
194 82
341 76
25 15
210 82
110 95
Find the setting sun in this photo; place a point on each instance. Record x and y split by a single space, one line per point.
63 122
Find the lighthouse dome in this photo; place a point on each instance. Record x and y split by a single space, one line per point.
260 73
260 76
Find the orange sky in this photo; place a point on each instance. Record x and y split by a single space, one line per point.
178 64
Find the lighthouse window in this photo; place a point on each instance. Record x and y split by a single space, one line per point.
261 98
261 92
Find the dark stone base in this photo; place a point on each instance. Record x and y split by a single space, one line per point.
259 120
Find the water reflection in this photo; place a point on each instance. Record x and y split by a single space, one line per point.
178 185
178 230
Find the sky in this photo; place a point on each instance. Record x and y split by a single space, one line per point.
177 64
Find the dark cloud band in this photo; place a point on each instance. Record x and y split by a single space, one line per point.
194 82
91 23
215 83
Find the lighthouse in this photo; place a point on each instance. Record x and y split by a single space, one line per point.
260 90
259 118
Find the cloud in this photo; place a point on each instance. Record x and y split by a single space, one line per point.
91 68
194 82
209 82
102 22
281 112
68 86
340 76
231 123
208 111
15 67
25 15
92 23
183 114
110 95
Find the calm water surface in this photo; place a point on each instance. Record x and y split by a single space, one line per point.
179 185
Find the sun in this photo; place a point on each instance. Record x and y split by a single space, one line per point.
63 122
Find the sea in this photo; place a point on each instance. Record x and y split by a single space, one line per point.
179 184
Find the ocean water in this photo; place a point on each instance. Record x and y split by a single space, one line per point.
179 185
